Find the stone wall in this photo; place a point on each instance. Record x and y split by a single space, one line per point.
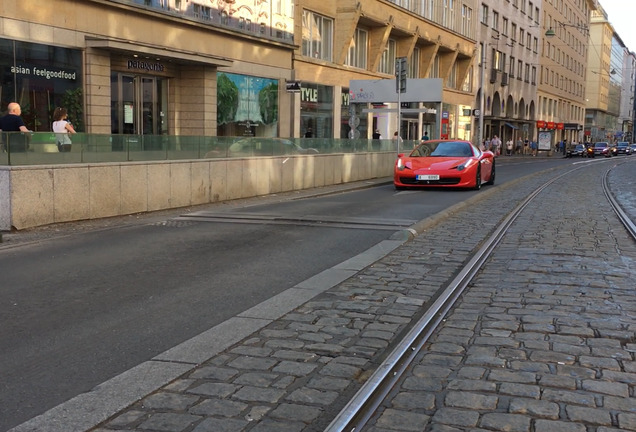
39 195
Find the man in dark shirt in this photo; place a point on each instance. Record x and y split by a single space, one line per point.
12 122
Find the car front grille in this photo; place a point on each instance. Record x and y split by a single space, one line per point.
441 182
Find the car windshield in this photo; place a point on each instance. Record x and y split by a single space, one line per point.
443 149
600 145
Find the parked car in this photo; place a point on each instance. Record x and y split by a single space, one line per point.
444 163
633 148
577 150
602 149
623 147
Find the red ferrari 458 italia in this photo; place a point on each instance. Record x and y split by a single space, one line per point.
444 163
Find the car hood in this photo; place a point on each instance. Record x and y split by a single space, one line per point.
435 163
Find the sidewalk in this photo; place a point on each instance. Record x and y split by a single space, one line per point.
292 363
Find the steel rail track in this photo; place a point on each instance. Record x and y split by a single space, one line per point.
627 222
365 402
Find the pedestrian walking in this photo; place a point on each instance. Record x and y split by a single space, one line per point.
496 145
509 147
533 146
397 140
62 129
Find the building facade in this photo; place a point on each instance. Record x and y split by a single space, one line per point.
150 66
563 69
510 36
605 77
340 41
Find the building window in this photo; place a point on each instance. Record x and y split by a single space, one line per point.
414 64
387 61
448 14
534 75
249 105
317 36
29 85
452 77
468 82
511 69
484 14
317 109
434 72
357 56
495 20
519 69
504 26
467 21
513 33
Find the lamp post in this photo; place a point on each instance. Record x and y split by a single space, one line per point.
482 73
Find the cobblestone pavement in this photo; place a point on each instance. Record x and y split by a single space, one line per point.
543 339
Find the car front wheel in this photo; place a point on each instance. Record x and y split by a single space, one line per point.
491 180
478 179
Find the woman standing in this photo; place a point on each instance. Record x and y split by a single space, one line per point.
62 128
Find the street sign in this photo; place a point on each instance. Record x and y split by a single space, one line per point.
293 86
400 74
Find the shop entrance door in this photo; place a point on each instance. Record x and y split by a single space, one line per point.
409 129
138 105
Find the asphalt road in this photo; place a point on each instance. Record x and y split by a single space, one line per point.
81 307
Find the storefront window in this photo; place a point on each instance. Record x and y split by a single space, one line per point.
449 123
247 105
40 78
316 111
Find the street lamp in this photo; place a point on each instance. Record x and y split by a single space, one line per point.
551 33
611 72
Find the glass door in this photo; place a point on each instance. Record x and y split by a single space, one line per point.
138 105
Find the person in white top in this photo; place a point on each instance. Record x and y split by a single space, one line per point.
62 128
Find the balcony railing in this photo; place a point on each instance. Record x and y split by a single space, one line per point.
41 148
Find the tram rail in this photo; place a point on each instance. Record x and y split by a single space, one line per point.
354 416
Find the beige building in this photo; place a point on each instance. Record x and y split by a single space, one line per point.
344 40
510 36
150 67
610 83
563 69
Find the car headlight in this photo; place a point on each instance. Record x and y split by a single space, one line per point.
400 164
465 165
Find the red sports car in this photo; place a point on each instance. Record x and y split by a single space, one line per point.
445 163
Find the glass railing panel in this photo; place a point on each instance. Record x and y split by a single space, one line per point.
41 147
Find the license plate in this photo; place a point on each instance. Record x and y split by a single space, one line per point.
428 177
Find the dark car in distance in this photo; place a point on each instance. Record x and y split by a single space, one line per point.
623 147
577 150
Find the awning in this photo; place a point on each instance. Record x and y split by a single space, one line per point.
511 125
